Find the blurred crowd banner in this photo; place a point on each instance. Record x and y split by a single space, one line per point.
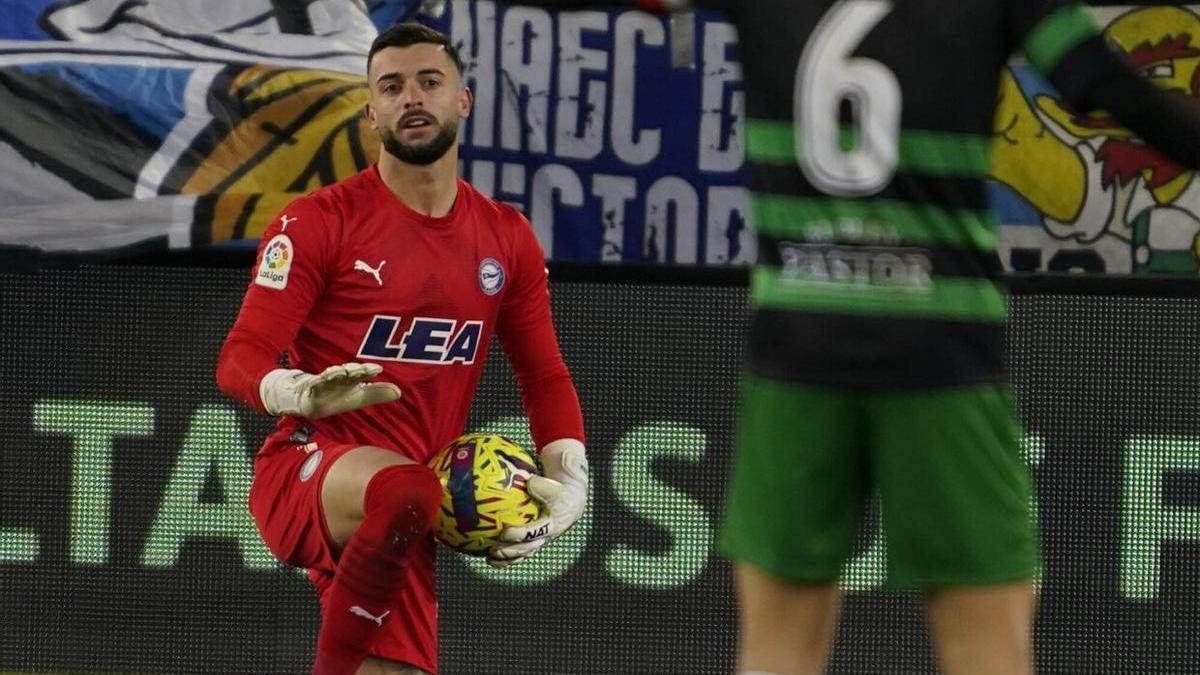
133 126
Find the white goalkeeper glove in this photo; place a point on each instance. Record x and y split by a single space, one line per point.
336 390
563 490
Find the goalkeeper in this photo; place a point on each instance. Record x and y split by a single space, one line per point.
384 291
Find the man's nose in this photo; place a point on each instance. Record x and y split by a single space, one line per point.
412 96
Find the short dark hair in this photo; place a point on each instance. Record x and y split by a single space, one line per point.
411 33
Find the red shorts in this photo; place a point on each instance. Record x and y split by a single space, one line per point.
285 500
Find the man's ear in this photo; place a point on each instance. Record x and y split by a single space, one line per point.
465 101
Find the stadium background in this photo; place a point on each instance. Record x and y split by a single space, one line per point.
127 549
124 546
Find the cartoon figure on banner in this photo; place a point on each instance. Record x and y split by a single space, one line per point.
1093 184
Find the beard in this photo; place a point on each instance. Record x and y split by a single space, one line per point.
424 153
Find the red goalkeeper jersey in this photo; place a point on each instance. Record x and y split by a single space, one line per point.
349 273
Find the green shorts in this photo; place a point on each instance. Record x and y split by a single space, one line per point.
954 492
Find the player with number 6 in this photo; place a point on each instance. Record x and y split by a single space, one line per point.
875 359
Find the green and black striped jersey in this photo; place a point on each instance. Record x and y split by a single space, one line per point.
868 137
868 134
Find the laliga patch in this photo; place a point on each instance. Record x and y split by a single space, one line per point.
491 276
310 465
276 263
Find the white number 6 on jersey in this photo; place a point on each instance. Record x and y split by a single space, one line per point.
827 74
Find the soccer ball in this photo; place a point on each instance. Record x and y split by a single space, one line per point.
484 490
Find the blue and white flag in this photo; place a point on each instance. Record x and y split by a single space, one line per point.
186 123
176 121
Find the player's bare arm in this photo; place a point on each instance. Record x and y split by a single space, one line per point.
1094 77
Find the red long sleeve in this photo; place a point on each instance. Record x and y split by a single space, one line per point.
526 329
269 320
245 359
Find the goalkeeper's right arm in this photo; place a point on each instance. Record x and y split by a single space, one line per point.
248 370
244 361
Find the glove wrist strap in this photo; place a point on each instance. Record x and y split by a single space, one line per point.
565 456
278 391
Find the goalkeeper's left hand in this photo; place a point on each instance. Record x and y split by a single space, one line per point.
563 490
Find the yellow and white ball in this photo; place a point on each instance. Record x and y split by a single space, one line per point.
484 489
